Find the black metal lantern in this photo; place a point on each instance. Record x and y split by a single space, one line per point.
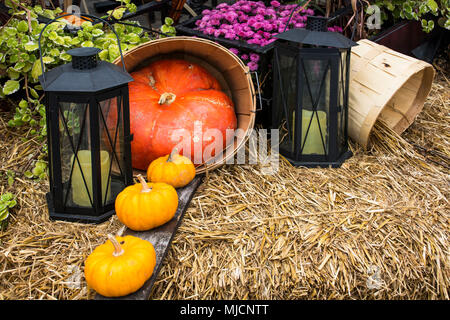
88 130
310 97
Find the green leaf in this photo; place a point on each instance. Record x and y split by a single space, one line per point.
31 46
104 55
19 66
11 86
390 6
53 35
12 203
97 32
75 41
33 93
118 13
55 52
48 59
13 74
11 32
3 213
432 5
133 38
23 104
65 57
28 174
36 71
168 21
12 43
87 26
113 51
165 28
132 7
87 44
60 41
447 24
8 196
13 58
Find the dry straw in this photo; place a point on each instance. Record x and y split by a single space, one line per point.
377 228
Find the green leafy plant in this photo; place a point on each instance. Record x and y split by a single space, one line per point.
7 201
419 10
39 171
10 177
118 12
20 65
167 28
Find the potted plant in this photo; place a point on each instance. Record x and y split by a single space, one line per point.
406 25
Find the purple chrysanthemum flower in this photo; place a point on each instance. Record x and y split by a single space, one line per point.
254 57
274 4
253 66
234 50
244 56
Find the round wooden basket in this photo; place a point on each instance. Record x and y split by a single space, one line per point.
385 84
227 68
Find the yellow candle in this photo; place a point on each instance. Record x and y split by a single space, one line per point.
313 144
80 195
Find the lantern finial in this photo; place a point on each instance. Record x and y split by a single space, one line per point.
84 58
317 24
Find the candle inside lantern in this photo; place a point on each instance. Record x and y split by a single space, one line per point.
80 195
313 144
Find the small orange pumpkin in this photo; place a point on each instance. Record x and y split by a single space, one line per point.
120 266
173 169
145 206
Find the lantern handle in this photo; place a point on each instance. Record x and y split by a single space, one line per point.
81 15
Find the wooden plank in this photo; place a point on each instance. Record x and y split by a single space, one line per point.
161 238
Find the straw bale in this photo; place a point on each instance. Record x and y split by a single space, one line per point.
376 228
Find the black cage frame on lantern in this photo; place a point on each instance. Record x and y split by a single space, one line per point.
294 92
60 190
99 110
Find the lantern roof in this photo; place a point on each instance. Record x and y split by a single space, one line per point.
316 34
84 74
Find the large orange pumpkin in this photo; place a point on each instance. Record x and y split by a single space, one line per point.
171 99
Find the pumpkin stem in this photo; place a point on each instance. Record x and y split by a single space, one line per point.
118 250
145 187
174 152
167 98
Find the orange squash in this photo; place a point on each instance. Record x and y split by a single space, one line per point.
173 169
120 266
75 20
145 206
170 99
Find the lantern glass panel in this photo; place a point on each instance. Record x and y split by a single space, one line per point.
287 100
111 142
76 171
316 106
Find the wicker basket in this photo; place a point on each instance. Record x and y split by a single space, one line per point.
385 84
227 68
